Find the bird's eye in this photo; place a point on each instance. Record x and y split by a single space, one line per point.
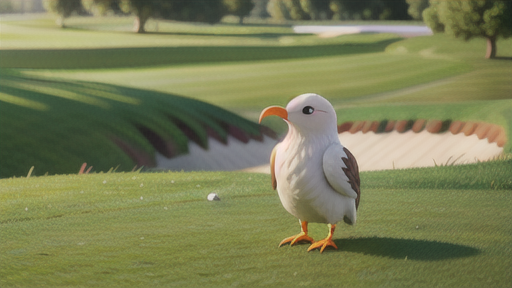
308 110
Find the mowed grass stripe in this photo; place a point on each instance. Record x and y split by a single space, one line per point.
261 84
156 56
488 81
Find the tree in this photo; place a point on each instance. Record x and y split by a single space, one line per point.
102 7
209 11
277 10
63 8
300 9
337 9
206 11
6 7
416 8
286 10
317 9
260 9
295 10
369 9
240 8
489 19
142 9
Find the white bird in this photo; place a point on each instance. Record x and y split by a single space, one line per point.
316 177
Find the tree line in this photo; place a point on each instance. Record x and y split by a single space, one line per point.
211 11
338 9
207 11
465 19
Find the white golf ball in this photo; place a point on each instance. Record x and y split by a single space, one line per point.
213 197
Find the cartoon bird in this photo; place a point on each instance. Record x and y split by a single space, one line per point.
317 179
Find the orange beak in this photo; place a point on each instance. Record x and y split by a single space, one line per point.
274 110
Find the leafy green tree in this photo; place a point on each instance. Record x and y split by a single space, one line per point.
286 10
6 6
337 9
63 8
369 9
295 9
206 11
300 9
142 9
209 11
260 9
489 19
416 8
317 9
240 8
277 10
102 7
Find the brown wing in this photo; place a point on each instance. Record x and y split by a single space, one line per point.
272 167
352 172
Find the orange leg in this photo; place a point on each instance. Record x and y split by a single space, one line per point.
301 237
325 242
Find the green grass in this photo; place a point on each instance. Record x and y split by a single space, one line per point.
445 226
38 44
253 85
494 175
366 77
115 32
348 79
157 229
161 56
486 81
58 125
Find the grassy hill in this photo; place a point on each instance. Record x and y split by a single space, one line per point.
56 126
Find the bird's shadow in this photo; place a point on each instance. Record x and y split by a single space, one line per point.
411 249
503 58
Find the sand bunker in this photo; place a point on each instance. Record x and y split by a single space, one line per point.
337 30
377 145
397 150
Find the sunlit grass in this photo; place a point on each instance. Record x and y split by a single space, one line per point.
115 32
56 126
158 229
366 77
254 85
445 226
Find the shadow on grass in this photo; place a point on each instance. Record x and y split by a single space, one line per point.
72 122
413 249
159 56
503 58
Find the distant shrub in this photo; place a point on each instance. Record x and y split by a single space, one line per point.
6 6
286 10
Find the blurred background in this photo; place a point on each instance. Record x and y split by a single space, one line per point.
175 84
